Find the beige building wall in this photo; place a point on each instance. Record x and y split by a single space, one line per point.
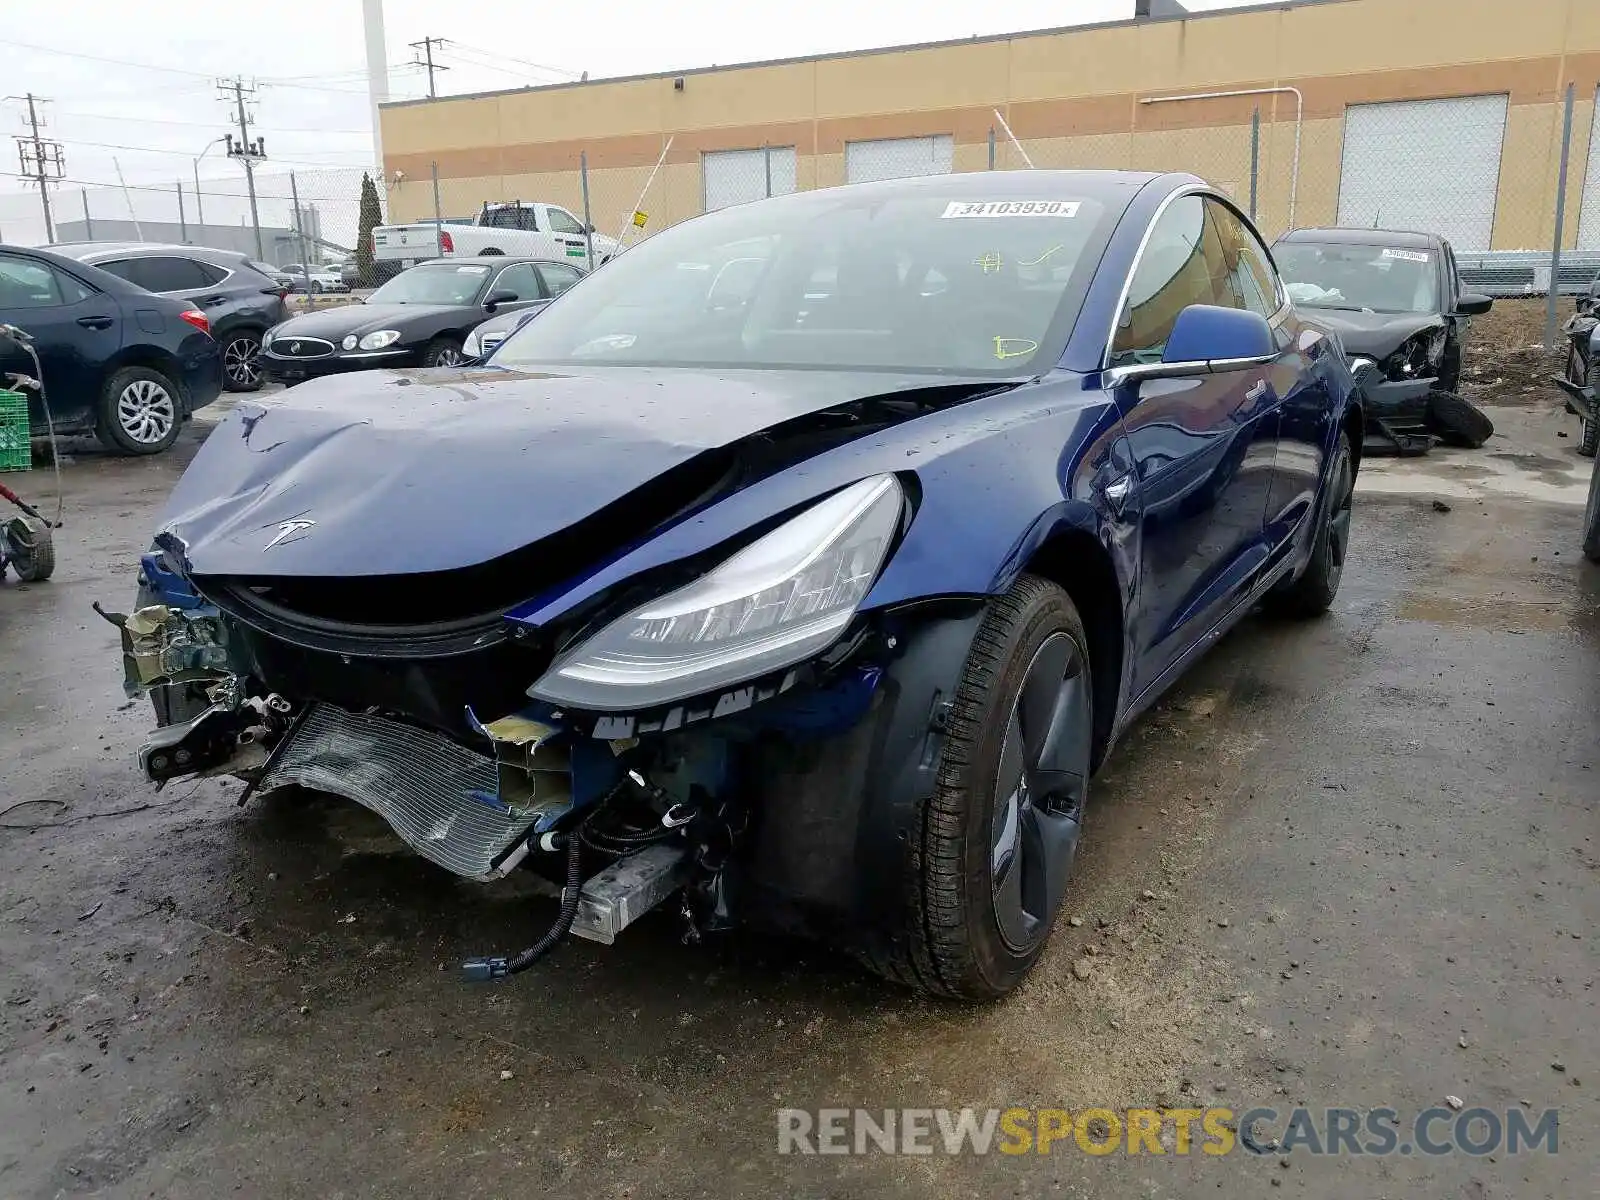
1073 97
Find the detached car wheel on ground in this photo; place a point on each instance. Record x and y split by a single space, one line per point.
766 574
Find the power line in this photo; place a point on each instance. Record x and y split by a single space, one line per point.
40 160
521 62
426 45
120 62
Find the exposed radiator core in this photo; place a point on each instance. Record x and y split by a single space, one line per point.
440 797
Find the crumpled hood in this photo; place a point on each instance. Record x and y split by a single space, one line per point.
1373 334
333 323
394 472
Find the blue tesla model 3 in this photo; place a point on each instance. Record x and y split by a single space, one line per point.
799 568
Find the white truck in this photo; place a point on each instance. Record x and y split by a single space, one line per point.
535 230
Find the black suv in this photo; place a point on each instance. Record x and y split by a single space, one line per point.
241 298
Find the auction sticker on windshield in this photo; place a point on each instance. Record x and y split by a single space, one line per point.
1407 255
1011 208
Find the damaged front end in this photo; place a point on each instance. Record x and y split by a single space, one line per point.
628 759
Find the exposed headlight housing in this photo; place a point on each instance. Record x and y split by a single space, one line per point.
379 339
349 342
1417 358
471 347
777 602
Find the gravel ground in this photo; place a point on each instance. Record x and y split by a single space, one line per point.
1352 863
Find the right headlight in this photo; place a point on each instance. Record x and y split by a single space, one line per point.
783 598
472 348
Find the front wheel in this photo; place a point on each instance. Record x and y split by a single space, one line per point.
138 412
1589 439
996 841
1311 593
443 352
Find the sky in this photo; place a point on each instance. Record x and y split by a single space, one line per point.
135 85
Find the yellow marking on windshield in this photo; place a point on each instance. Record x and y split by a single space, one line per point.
989 263
1043 256
1005 347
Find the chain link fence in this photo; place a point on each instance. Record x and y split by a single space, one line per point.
1443 166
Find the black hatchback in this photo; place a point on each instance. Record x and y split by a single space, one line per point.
240 297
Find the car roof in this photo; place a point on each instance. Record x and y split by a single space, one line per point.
1356 236
92 252
489 260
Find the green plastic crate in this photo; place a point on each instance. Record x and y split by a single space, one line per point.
15 452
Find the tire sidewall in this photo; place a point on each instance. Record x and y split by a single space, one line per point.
241 335
109 428
430 356
1591 518
1049 612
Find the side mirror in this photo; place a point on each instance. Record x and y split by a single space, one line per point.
1470 304
497 298
1207 340
592 229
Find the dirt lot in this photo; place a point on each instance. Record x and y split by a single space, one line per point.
1351 864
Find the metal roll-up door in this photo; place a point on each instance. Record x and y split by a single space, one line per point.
1428 165
898 158
739 176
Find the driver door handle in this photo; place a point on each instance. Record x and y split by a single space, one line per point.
96 322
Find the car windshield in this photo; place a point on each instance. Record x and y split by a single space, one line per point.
1385 279
442 283
847 279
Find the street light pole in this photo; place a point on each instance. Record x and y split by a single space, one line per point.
199 204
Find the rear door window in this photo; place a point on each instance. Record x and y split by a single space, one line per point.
158 273
558 277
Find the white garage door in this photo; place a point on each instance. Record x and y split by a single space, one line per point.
1589 217
739 176
898 158
1429 165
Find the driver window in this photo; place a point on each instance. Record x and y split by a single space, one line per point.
1251 280
1181 265
562 221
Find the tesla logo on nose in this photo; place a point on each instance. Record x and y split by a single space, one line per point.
287 531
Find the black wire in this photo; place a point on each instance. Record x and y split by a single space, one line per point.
564 919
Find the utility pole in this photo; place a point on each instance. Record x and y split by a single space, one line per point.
40 159
247 152
426 46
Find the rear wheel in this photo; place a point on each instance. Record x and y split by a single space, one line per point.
33 554
1311 593
998 836
240 370
139 412
443 352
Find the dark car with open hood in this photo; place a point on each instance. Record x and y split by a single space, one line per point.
1396 301
420 318
798 568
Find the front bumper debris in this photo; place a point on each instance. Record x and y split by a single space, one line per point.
442 799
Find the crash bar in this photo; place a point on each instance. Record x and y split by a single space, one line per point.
1299 117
